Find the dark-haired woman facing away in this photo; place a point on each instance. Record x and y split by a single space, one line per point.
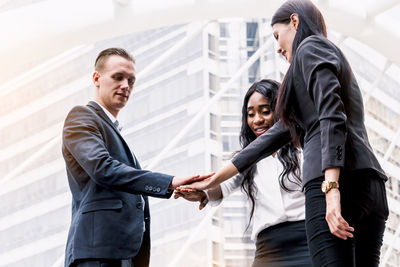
273 187
320 107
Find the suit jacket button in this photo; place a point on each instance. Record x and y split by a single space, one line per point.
339 157
139 205
339 149
146 188
150 188
158 190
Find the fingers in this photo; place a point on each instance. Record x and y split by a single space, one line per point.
192 179
177 195
187 190
203 203
199 178
338 226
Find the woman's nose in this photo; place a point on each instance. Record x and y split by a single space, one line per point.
258 119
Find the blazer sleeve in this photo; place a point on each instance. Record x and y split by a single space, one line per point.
82 138
319 62
262 147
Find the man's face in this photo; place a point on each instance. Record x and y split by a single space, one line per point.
114 83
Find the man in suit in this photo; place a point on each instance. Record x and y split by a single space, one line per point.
110 210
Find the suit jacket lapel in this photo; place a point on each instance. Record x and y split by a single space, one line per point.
104 116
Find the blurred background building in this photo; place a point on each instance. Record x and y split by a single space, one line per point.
182 68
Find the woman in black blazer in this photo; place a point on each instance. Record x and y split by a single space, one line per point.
320 108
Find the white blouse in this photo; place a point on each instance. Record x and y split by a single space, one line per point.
273 205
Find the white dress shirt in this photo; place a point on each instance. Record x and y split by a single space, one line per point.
108 113
273 205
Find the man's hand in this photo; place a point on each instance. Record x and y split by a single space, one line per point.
337 224
193 196
180 180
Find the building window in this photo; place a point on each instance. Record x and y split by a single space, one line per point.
212 47
213 122
223 30
213 82
251 28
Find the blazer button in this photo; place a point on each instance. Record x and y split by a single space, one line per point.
139 205
158 190
339 149
339 157
150 188
146 188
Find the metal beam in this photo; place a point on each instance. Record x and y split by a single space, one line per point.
378 7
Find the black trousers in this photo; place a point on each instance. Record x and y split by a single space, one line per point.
283 245
104 263
364 207
140 260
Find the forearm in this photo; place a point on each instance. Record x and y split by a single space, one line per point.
262 147
332 174
228 171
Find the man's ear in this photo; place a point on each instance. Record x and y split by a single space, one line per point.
95 79
294 20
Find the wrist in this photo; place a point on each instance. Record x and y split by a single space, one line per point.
329 185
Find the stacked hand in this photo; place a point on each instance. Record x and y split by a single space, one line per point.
200 185
192 195
188 180
189 188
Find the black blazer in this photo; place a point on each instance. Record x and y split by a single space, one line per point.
106 182
329 110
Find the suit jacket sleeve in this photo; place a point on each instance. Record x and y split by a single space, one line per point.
262 147
83 139
319 62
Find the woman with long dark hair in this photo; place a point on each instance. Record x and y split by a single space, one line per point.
273 187
320 107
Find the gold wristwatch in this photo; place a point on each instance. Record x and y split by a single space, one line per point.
326 186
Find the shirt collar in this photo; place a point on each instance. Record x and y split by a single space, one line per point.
108 113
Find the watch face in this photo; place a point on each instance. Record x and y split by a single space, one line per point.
323 186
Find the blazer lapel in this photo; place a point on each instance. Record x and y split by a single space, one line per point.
104 116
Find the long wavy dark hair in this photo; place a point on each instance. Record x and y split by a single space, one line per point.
311 22
288 155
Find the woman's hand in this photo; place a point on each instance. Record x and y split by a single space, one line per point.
199 186
337 224
193 196
223 174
